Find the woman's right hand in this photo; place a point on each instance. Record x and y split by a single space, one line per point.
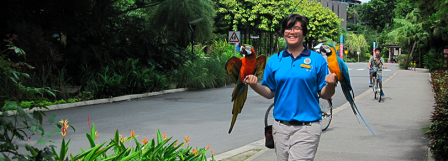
251 79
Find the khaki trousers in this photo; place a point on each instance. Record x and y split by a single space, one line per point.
296 143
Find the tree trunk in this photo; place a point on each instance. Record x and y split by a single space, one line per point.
406 65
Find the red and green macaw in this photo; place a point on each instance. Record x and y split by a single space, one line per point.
338 66
238 69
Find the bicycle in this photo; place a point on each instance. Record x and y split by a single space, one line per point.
326 107
376 84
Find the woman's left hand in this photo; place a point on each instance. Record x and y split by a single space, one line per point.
331 79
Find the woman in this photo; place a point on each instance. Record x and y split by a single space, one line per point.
295 78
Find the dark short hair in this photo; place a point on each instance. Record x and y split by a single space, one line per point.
378 49
294 18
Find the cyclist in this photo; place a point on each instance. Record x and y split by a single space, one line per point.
376 62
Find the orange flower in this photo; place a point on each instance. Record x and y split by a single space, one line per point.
164 136
175 144
213 153
187 139
208 147
195 152
145 141
132 133
96 134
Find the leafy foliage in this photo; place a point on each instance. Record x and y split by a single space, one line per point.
178 23
322 22
265 15
433 60
21 126
206 72
121 77
409 32
377 13
438 130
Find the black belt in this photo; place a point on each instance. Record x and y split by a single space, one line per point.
294 122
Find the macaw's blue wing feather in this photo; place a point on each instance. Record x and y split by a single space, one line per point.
348 90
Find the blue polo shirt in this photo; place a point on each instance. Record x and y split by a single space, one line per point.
296 83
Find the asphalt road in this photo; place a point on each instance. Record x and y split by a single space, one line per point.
204 116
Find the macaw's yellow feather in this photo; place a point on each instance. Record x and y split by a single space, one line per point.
238 104
333 64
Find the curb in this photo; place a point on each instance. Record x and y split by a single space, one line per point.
99 101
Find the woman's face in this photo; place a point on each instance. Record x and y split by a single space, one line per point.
294 35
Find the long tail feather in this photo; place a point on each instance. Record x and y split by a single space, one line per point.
346 91
365 121
238 106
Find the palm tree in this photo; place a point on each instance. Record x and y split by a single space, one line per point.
176 18
409 32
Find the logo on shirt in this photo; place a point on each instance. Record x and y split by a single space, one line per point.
307 61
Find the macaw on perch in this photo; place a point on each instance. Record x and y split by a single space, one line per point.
338 66
238 69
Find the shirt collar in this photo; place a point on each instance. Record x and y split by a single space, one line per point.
305 52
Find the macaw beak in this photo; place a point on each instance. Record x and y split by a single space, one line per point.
245 50
325 49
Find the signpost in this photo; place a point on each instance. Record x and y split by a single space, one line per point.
235 38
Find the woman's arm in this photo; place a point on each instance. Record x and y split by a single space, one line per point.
328 91
257 87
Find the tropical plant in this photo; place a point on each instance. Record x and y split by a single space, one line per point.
409 32
120 78
21 126
160 148
185 18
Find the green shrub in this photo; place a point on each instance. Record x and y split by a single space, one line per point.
433 60
202 73
73 100
438 130
401 60
121 78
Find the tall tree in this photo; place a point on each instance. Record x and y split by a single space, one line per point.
409 32
355 43
377 13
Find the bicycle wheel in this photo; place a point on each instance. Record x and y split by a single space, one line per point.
326 107
377 90
379 95
374 87
269 116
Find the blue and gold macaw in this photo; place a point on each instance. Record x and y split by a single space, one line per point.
238 69
338 66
